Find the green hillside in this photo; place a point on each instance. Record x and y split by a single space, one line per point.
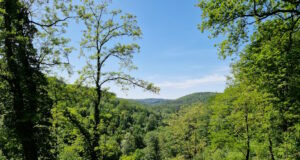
168 106
151 101
199 97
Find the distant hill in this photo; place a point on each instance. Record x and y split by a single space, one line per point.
168 106
152 101
200 97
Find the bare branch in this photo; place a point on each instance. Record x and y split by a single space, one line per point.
53 64
108 35
53 23
132 81
105 58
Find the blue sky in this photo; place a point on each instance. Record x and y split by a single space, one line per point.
174 55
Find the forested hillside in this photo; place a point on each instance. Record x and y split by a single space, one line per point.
185 100
44 117
167 106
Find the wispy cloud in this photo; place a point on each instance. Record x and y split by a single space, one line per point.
196 82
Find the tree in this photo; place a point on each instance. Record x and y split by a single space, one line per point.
240 124
268 61
152 151
186 134
128 144
102 29
25 82
27 105
277 55
237 19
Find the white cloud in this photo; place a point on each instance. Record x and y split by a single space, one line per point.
173 87
192 83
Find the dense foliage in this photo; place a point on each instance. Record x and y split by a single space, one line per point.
43 117
265 76
122 128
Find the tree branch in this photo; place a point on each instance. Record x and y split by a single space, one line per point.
108 35
132 81
77 124
50 24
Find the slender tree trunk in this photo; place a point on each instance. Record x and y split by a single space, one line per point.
248 137
271 148
97 104
96 134
195 143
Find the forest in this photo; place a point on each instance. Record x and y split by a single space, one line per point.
44 117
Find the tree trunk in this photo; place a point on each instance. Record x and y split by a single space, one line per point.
248 137
24 78
271 148
97 104
23 124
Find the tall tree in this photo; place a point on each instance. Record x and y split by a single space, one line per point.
103 32
25 81
269 61
27 105
152 151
